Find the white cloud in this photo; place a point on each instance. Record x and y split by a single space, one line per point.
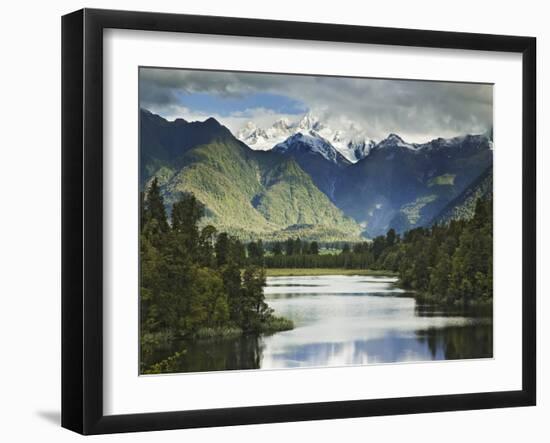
417 110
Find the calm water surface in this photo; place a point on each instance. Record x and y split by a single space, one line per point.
345 320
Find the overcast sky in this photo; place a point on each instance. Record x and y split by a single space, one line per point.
417 110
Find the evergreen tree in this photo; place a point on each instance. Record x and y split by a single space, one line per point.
207 241
231 276
154 215
277 249
314 248
440 277
186 214
255 309
391 238
256 253
378 245
222 249
297 246
237 252
289 247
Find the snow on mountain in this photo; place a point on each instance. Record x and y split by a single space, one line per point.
349 141
264 139
394 141
476 141
355 150
311 143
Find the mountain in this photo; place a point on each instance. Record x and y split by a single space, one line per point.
351 142
355 150
264 139
463 206
162 143
306 187
312 144
403 185
317 157
246 193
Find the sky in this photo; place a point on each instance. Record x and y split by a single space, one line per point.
418 111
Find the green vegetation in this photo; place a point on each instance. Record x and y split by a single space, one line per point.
296 272
377 189
463 206
451 264
448 265
253 195
442 180
217 217
191 284
276 324
412 210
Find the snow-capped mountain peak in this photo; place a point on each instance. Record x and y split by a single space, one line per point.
312 143
309 122
282 124
348 140
393 140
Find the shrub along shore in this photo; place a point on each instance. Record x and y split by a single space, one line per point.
298 272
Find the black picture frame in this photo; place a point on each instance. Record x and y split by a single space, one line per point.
82 218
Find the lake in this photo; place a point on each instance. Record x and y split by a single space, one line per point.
345 320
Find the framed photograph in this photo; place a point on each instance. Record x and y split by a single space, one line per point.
270 221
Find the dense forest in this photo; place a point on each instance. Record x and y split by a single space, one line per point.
449 264
194 282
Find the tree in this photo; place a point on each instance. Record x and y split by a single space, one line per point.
237 252
297 246
255 309
390 238
210 298
256 252
207 241
277 249
378 245
186 214
231 276
222 249
440 277
314 248
154 215
289 247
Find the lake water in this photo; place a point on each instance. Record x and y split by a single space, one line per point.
345 320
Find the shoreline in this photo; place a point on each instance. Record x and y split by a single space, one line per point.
272 325
304 272
480 309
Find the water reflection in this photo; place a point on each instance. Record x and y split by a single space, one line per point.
345 320
457 343
213 354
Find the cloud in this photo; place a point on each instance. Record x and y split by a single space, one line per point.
417 110
262 117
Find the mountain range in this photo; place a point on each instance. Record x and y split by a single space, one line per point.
250 194
350 141
303 179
